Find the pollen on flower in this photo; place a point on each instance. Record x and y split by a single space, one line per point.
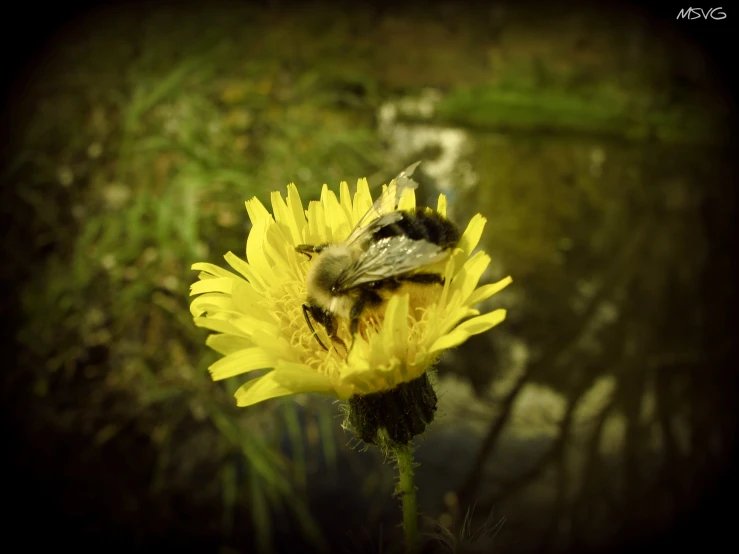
288 310
287 305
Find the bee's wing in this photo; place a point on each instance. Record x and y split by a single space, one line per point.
390 257
385 205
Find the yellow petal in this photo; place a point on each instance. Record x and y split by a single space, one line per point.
335 218
245 324
316 229
247 300
285 219
288 263
219 326
255 255
245 269
395 327
449 272
227 344
345 199
358 359
240 362
450 319
296 207
465 330
469 275
286 379
471 236
362 201
278 248
486 291
368 380
268 337
407 200
441 205
219 284
212 301
256 210
209 271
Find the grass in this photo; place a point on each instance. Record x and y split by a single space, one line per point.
553 111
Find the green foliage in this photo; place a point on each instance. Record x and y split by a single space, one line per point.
606 115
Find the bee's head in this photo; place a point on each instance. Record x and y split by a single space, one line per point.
328 266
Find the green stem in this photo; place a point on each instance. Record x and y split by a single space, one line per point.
407 491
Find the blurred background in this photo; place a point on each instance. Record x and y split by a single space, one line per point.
597 141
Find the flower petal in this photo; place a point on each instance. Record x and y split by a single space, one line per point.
316 231
239 323
285 219
448 276
345 199
465 330
373 379
209 271
388 200
219 326
448 321
227 344
486 291
255 255
395 326
469 275
209 302
247 300
471 236
218 284
407 200
245 269
268 337
256 210
279 250
441 205
243 361
362 201
296 207
286 379
246 324
335 218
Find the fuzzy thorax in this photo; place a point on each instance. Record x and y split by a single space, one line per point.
323 276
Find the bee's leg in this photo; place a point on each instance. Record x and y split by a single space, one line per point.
309 249
332 326
306 311
423 279
367 298
328 320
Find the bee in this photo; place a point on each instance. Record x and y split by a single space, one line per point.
386 248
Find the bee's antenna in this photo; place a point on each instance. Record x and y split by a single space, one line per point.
351 346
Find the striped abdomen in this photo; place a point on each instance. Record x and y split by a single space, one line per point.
422 224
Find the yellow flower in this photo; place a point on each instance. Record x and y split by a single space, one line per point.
258 318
